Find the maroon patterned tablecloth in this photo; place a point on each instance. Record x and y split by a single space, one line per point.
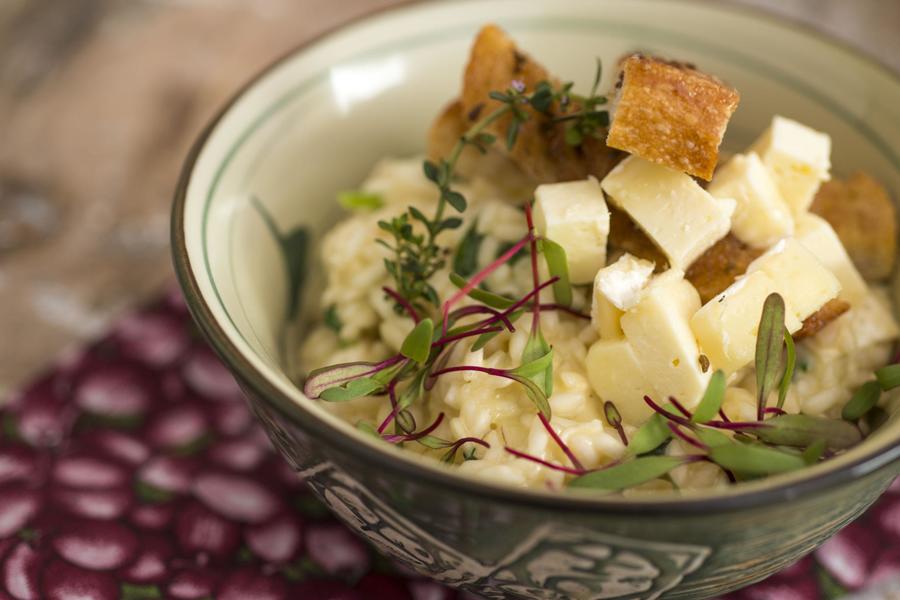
132 469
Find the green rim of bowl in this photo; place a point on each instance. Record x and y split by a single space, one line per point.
422 472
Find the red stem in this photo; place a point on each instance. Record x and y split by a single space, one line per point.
680 407
535 276
402 302
464 334
566 450
396 439
392 388
565 309
543 462
668 415
674 428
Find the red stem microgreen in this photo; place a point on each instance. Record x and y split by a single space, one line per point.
562 445
614 418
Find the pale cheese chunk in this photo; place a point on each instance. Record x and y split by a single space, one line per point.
798 158
761 217
574 215
617 288
817 235
681 218
727 326
658 329
803 281
869 321
615 375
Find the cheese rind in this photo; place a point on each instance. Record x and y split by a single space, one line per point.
681 218
817 235
798 158
657 329
727 326
803 281
615 375
574 215
762 217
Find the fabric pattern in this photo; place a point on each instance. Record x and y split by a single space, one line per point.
132 469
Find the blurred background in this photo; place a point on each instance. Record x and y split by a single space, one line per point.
99 103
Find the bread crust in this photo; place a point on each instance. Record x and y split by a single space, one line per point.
815 322
671 114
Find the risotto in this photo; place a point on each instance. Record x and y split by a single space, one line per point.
591 313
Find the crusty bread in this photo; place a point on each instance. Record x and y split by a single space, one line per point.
671 114
626 236
718 267
540 151
864 217
814 323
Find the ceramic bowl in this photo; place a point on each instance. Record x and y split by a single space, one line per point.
258 192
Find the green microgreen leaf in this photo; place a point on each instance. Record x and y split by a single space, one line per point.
360 200
351 390
454 199
331 318
711 437
768 348
628 474
814 452
538 357
413 392
485 297
863 400
790 362
651 435
482 340
535 394
712 399
322 379
368 429
417 344
465 262
803 430
888 377
754 460
431 171
535 367
557 266
434 442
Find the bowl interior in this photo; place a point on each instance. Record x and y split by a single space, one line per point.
262 185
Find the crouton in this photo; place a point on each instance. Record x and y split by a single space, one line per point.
718 267
671 114
540 150
861 212
626 237
830 311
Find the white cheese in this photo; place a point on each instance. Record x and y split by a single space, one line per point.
657 329
869 321
798 158
803 282
617 288
615 375
727 326
761 217
574 215
817 235
682 218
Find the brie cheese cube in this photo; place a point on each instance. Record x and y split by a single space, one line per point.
819 237
605 318
761 217
658 329
615 375
617 288
574 215
803 282
727 326
682 218
798 158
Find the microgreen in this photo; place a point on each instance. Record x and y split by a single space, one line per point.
555 256
465 260
814 452
769 349
331 319
803 430
360 200
888 377
863 400
562 445
417 345
629 474
320 380
790 362
480 295
754 460
614 418
712 399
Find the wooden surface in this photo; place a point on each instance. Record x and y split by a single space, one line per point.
99 102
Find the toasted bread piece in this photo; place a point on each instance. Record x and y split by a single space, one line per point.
861 212
671 114
540 150
626 237
830 311
718 267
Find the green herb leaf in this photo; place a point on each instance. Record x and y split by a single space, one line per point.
863 400
465 262
755 460
360 200
651 435
814 452
768 348
888 377
711 437
803 430
712 399
322 379
368 429
538 354
434 442
413 392
629 474
790 362
512 134
417 344
485 297
455 199
351 390
331 318
555 256
535 394
535 367
431 171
